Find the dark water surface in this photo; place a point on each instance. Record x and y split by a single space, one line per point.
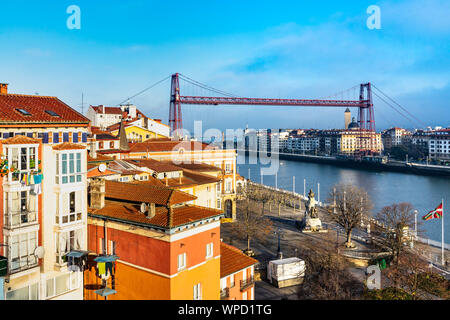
384 188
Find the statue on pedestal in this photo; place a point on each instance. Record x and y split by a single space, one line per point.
311 221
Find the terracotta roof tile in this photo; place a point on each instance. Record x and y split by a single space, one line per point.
232 260
197 166
155 146
131 212
95 173
154 165
37 106
99 157
68 146
19 139
160 195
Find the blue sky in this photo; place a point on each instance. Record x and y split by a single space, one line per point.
286 49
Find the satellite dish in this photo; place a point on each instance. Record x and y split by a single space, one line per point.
143 207
39 252
102 167
136 177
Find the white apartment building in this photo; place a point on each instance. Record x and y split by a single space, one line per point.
44 207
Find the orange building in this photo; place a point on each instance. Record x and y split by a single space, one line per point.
237 280
166 249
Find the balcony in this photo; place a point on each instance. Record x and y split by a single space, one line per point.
224 293
245 284
22 218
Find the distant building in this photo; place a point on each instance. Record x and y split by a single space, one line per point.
347 118
394 137
439 144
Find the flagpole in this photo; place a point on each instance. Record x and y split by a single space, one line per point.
442 245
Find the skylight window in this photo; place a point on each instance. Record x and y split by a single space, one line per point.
52 113
24 112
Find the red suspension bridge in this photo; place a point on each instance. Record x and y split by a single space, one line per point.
366 119
365 105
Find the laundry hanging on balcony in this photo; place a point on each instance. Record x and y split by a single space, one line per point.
78 259
106 265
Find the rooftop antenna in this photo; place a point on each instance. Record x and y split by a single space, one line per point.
82 103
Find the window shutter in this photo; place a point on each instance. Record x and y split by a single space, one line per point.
45 137
55 137
75 137
79 201
84 137
65 137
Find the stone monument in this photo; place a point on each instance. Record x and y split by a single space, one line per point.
311 221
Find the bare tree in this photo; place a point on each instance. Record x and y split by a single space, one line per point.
258 194
251 223
327 277
396 221
352 203
405 274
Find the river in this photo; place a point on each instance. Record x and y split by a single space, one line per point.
384 188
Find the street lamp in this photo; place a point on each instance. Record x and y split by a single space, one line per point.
279 253
415 224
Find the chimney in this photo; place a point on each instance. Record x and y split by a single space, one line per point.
103 108
97 193
3 88
93 151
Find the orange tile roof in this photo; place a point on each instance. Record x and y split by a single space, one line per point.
155 146
37 107
154 165
95 173
196 166
19 139
100 157
127 212
232 260
68 146
148 193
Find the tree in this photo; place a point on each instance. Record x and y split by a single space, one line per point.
352 203
405 273
327 277
258 194
251 223
396 220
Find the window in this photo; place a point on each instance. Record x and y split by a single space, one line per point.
62 283
75 137
209 250
21 208
24 112
26 293
244 295
218 187
70 171
71 208
68 241
228 167
232 281
112 247
111 144
52 113
21 252
219 204
181 261
198 291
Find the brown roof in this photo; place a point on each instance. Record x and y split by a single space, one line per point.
196 166
232 260
148 193
93 173
100 157
108 110
154 165
19 139
155 146
37 106
68 146
131 212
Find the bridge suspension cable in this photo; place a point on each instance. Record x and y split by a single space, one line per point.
146 89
